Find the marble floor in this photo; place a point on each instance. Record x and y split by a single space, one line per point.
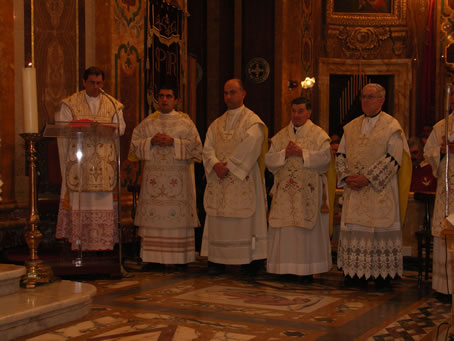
165 304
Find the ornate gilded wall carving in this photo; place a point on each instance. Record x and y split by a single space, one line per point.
128 17
55 47
358 33
447 33
128 55
367 42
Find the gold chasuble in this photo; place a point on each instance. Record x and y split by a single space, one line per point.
98 170
369 206
296 190
231 196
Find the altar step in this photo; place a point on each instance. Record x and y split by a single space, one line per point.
25 311
10 276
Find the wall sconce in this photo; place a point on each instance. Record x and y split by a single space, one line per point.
305 84
308 83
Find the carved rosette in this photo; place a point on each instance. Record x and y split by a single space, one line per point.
258 70
367 42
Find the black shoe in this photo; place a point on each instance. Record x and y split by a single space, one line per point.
288 278
307 279
153 267
348 281
355 282
253 267
443 298
181 267
352 282
215 268
383 284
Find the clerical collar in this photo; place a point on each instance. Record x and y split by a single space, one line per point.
373 116
92 99
236 110
295 128
173 112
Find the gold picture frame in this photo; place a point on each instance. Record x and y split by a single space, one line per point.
362 13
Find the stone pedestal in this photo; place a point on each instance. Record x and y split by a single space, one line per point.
30 310
10 276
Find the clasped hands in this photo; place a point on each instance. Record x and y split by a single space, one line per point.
356 182
221 169
293 149
162 140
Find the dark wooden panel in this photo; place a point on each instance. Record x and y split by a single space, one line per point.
258 41
197 37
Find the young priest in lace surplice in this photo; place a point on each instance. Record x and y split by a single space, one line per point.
169 143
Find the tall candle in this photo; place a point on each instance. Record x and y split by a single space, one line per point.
30 100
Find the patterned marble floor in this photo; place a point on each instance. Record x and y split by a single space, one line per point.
192 305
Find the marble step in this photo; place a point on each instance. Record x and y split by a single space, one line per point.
31 310
10 276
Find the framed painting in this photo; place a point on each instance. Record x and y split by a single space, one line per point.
366 12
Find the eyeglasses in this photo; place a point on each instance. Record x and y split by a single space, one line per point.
369 96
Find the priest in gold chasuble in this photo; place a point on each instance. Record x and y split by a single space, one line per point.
235 228
87 215
299 158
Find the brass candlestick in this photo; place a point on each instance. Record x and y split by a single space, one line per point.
37 271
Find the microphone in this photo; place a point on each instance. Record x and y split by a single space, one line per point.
101 90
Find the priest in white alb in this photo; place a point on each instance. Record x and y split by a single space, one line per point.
299 158
235 228
169 143
435 154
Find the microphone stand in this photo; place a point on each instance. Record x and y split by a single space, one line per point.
448 107
448 94
120 238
